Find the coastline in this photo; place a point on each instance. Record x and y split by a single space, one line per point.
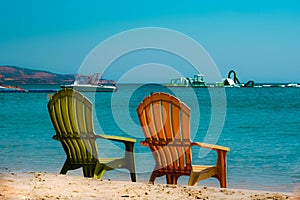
42 185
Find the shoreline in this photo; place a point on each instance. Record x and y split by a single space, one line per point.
42 185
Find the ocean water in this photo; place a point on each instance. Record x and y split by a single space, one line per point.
261 126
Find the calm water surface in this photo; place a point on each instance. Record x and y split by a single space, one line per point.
261 127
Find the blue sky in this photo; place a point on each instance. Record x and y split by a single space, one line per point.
258 38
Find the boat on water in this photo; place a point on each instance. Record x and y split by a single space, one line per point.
11 88
196 81
293 85
92 83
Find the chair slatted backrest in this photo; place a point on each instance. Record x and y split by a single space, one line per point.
72 117
165 121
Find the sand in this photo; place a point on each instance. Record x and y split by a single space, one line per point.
41 185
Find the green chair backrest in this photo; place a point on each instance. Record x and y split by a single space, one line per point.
72 117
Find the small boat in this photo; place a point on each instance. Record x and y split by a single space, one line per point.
11 88
93 83
293 85
196 81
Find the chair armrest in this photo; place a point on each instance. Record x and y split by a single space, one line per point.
116 138
210 146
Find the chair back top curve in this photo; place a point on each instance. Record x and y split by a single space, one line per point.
72 117
165 121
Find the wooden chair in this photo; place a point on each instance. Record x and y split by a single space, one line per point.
72 118
165 121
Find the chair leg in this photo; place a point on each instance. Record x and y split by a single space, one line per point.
129 160
88 171
99 170
152 177
65 167
99 175
131 166
221 165
133 177
172 179
222 180
175 179
192 182
169 179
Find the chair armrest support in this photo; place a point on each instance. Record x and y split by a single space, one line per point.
129 160
55 137
210 146
144 143
221 160
116 138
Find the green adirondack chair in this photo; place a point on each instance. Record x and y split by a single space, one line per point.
72 117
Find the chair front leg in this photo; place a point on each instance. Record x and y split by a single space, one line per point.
129 159
221 167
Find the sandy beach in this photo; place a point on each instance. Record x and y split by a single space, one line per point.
41 185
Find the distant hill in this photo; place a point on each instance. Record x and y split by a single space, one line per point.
12 75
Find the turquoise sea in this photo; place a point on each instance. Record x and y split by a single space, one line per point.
261 127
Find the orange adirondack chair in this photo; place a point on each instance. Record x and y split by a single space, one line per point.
165 121
71 116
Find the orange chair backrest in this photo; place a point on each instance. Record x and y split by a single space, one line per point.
165 121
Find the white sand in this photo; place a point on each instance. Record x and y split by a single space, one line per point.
52 186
